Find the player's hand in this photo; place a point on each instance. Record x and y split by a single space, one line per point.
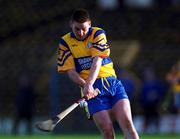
89 91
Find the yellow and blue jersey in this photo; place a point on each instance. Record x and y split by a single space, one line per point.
79 54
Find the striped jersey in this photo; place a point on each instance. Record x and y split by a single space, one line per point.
79 54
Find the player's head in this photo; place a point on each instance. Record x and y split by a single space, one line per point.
80 23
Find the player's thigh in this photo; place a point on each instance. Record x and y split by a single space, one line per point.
122 112
103 120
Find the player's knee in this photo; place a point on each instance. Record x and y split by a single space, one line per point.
129 127
108 130
127 124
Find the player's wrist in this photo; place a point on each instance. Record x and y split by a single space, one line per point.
82 83
89 82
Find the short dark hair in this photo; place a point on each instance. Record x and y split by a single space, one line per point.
80 15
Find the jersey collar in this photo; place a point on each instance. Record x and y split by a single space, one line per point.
89 33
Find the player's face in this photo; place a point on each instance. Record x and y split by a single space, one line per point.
80 29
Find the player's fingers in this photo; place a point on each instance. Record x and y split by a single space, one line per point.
95 93
88 96
92 94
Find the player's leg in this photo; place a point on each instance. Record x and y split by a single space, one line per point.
122 113
103 122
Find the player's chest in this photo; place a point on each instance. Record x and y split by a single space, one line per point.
80 48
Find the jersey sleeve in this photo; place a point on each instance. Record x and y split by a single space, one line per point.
65 59
99 45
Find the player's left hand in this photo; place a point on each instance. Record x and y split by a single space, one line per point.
89 91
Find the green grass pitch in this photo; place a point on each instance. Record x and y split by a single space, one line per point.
86 136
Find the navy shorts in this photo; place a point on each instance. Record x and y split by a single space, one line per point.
111 90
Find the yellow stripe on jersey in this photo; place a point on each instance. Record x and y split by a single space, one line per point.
79 54
65 59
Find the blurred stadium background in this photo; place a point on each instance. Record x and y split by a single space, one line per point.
142 34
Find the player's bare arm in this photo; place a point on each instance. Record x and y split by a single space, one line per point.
94 71
75 77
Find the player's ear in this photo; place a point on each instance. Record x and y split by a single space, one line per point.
89 22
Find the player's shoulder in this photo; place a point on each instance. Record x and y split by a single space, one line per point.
66 36
64 39
98 32
97 28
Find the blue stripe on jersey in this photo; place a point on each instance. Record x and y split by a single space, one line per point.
64 52
61 61
98 32
106 61
101 47
63 43
84 63
72 35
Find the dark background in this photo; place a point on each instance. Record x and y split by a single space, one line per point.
30 33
